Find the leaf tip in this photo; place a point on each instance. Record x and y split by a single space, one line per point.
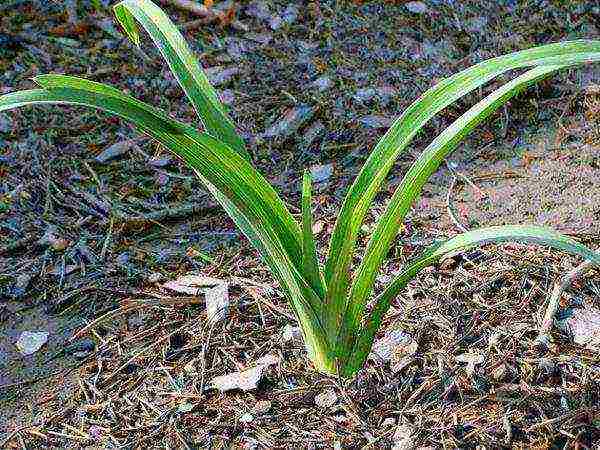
127 21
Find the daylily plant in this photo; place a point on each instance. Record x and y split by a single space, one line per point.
330 300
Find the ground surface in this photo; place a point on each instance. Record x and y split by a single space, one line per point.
88 237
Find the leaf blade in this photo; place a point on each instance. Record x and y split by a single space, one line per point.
245 194
366 185
183 64
410 187
310 262
497 234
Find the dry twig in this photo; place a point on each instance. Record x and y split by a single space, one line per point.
559 288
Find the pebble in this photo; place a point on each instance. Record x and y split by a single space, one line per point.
584 326
185 407
326 399
417 7
227 97
245 380
321 173
21 284
219 75
155 277
471 359
377 121
160 162
262 407
322 83
289 16
290 122
393 342
247 418
261 38
30 342
312 133
6 123
258 9
382 93
217 303
404 438
291 334
114 151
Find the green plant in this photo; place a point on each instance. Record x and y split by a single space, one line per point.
329 304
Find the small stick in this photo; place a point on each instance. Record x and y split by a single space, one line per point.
559 288
193 7
207 15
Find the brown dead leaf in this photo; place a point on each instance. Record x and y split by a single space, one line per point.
227 16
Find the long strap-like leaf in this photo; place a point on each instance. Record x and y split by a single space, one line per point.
497 234
243 192
236 175
380 161
310 261
183 64
410 189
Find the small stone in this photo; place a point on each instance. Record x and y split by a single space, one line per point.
290 122
261 38
417 7
388 422
80 355
584 326
322 83
236 48
219 75
382 93
326 398
227 97
477 24
30 342
376 121
258 9
21 285
185 407
364 94
404 438
291 334
190 367
312 133
114 151
155 277
247 418
500 372
289 16
160 162
6 124
394 341
56 242
245 380
321 173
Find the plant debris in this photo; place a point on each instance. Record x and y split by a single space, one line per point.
532 163
246 380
